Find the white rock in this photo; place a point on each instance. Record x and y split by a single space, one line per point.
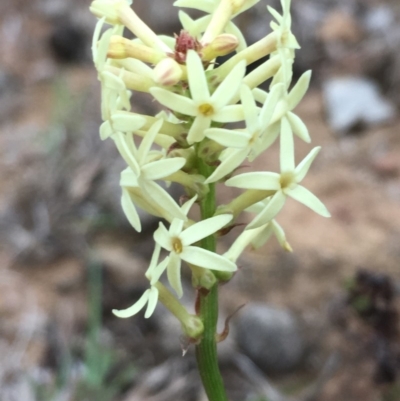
353 100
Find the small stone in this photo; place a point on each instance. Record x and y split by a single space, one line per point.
351 101
68 43
387 165
379 18
271 337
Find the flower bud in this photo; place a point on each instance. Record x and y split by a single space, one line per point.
167 72
193 327
120 48
222 45
210 151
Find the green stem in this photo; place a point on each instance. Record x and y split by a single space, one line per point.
206 350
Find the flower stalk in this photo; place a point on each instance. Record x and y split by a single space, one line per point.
215 118
206 350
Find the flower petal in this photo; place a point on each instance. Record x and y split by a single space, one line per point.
158 270
126 152
162 168
95 42
298 127
135 308
125 121
235 31
188 205
154 260
176 227
241 242
205 5
174 273
196 132
228 88
303 167
287 147
152 302
299 90
269 105
163 199
148 140
204 228
162 237
106 130
250 108
260 95
112 81
130 211
197 79
308 199
228 137
209 260
229 114
175 102
128 178
271 210
256 180
280 236
268 137
234 159
263 235
194 27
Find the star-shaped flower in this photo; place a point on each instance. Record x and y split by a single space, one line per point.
198 26
179 242
257 237
263 233
203 106
286 183
286 43
209 6
115 99
137 181
283 110
283 26
194 27
247 142
150 296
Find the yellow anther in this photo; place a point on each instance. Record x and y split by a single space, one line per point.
287 179
206 109
177 245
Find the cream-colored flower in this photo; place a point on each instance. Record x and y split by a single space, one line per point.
245 143
285 184
286 43
211 7
264 232
119 12
203 106
283 25
150 296
194 27
137 181
198 26
284 110
179 242
115 99
257 237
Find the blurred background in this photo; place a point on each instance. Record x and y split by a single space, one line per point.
321 323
